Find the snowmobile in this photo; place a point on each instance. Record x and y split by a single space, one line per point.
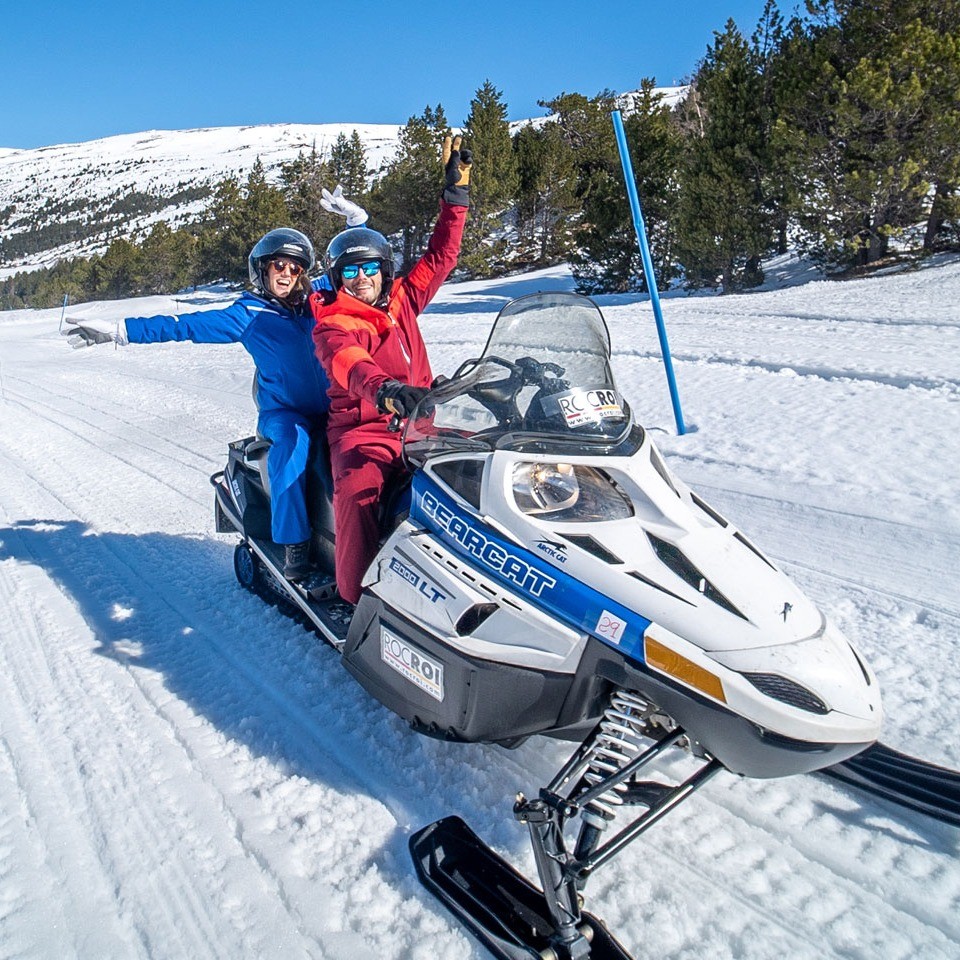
543 572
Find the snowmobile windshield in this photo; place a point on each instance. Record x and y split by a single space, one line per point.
542 385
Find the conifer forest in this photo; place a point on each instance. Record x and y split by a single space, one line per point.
835 133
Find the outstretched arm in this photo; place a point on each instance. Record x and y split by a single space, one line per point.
420 286
201 326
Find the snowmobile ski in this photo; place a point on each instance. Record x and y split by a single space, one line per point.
502 908
903 780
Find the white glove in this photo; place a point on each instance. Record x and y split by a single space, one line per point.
85 332
337 203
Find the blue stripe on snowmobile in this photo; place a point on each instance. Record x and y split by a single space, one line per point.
566 598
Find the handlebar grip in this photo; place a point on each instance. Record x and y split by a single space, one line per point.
394 425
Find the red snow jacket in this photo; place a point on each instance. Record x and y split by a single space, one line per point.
361 346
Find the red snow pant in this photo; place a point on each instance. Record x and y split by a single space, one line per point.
363 461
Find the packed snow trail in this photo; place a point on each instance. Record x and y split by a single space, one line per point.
186 772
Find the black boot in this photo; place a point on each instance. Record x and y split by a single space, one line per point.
296 560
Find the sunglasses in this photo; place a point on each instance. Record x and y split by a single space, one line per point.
352 270
281 265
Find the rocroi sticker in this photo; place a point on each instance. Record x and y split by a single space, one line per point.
411 663
588 406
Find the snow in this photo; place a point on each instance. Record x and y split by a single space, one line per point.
187 773
44 185
159 162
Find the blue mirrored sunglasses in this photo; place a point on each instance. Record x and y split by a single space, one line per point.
352 270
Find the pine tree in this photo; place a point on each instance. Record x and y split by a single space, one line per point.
722 227
606 257
167 260
405 201
546 201
263 207
220 241
941 124
656 148
302 181
866 80
235 220
777 183
602 256
348 161
73 278
493 182
116 273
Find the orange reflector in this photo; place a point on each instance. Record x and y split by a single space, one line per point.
686 671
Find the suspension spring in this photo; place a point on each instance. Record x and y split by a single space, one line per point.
617 742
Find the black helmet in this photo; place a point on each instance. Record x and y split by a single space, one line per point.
358 245
285 242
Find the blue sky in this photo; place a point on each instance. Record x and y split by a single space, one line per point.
79 71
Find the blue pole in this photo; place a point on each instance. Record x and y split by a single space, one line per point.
63 310
647 266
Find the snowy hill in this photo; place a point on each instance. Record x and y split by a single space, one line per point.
50 196
128 182
186 773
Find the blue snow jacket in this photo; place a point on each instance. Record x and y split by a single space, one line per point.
289 375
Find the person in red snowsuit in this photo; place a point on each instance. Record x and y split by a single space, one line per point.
368 340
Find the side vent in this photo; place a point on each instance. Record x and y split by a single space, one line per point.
863 669
708 510
786 691
739 536
472 617
594 547
463 477
656 586
673 558
661 468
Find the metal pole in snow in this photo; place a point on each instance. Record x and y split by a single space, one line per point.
63 310
647 265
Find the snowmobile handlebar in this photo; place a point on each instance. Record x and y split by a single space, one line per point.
498 396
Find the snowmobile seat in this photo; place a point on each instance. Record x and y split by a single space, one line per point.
256 454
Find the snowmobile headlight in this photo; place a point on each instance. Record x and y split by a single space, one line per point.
568 493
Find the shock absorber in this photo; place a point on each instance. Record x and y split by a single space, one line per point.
617 741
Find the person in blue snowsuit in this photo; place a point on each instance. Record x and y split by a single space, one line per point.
274 323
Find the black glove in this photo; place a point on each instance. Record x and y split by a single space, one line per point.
456 172
399 398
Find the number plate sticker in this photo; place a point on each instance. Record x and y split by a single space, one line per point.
610 627
412 664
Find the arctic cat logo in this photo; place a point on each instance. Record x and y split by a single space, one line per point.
411 663
553 549
415 580
489 552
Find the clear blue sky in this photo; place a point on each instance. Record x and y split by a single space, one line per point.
73 71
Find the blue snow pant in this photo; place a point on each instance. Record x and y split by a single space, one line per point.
289 435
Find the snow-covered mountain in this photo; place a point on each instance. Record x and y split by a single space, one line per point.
126 183
186 773
50 196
